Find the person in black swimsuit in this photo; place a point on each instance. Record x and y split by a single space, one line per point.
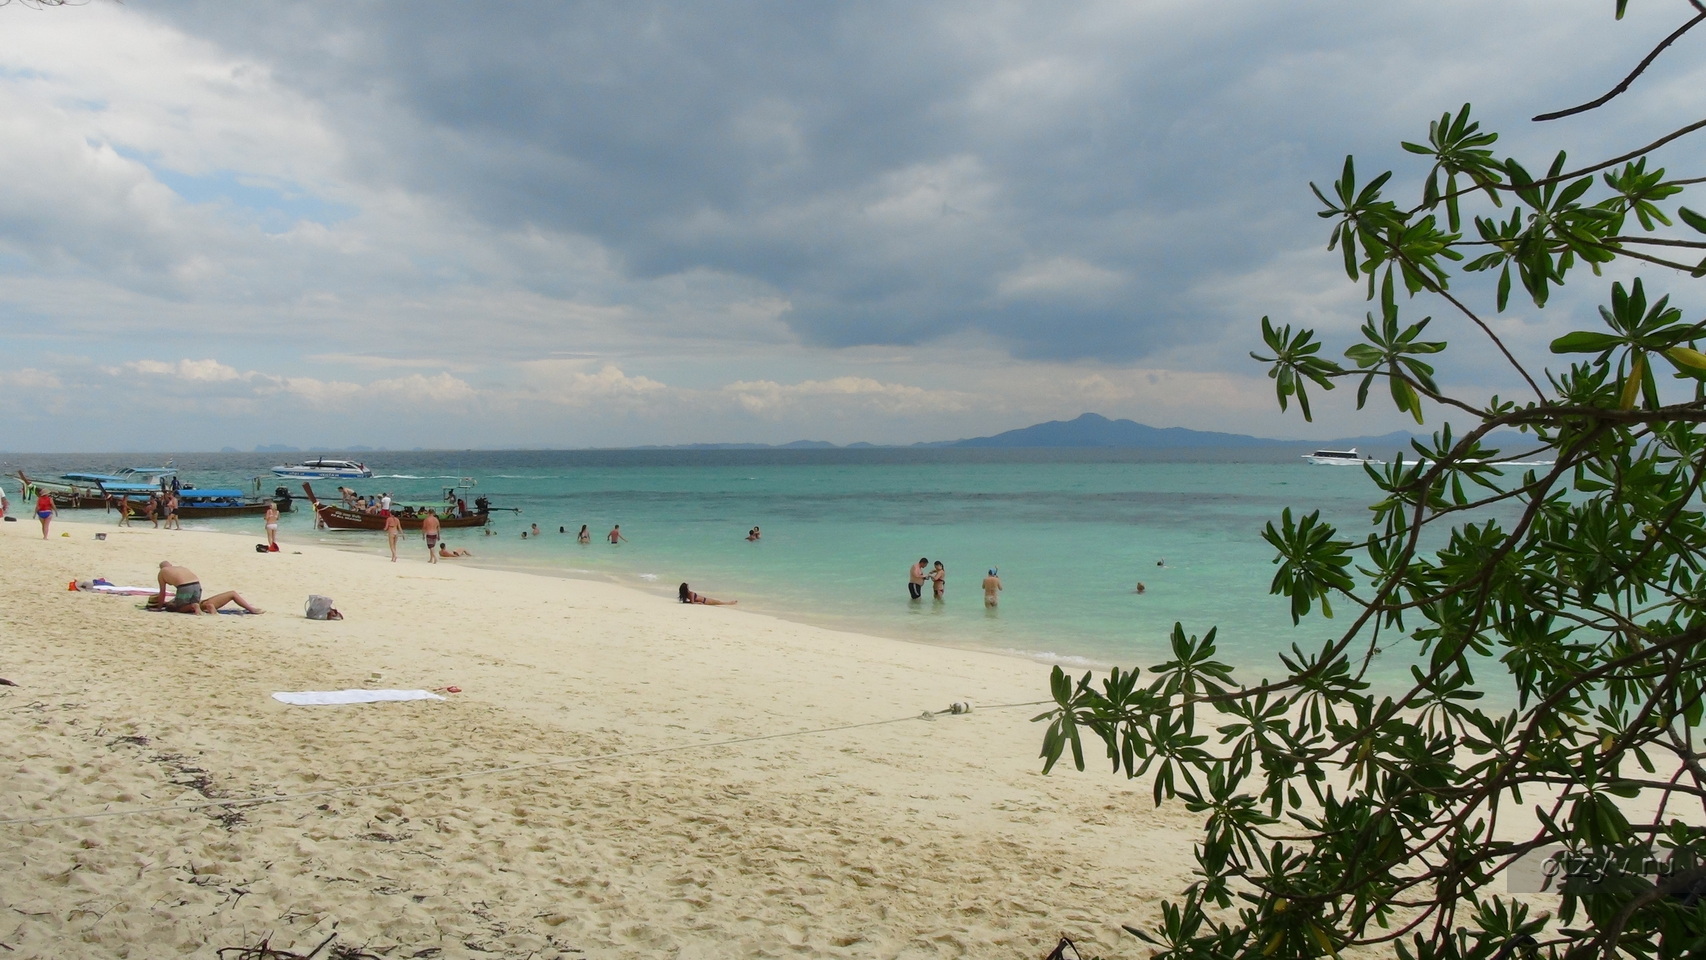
688 596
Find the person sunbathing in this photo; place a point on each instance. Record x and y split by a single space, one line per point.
186 593
444 551
688 596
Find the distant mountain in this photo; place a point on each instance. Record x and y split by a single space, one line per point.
1095 430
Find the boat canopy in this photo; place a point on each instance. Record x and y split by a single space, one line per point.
127 475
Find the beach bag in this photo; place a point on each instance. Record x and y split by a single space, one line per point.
260 548
318 606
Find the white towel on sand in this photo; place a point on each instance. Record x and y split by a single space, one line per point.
314 698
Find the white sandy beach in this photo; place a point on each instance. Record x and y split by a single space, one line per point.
913 838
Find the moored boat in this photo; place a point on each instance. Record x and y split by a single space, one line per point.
199 504
336 516
93 491
324 469
101 491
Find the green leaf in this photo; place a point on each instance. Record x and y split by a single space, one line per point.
1585 341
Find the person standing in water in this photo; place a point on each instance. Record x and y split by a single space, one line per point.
915 578
583 536
938 580
991 587
615 535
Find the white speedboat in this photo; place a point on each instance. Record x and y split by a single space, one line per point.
1338 457
325 470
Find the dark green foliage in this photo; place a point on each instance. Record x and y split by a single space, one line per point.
1337 814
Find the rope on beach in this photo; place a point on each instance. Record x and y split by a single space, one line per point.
956 709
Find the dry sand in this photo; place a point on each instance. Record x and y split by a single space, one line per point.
911 838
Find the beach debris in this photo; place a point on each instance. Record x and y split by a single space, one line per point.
265 951
1060 950
6 683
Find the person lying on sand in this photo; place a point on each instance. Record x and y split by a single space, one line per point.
186 593
688 596
445 551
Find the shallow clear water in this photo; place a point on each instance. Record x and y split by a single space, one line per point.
1072 533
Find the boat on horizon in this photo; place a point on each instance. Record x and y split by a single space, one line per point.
1340 458
321 468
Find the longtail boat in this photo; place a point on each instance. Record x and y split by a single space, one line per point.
336 516
93 491
195 503
101 491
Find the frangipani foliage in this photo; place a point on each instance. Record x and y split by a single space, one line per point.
1339 815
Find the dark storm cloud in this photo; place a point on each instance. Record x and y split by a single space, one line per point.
1058 177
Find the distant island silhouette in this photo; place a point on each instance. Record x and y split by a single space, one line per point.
1087 430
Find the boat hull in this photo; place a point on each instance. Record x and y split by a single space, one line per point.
70 496
187 511
335 517
1338 458
343 518
295 474
323 468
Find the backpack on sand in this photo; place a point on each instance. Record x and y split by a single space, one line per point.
318 606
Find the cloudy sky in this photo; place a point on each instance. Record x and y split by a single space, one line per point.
607 224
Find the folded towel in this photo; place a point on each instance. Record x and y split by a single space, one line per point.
314 698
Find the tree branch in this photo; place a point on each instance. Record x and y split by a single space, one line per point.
1639 69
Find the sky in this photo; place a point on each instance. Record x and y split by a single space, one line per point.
561 225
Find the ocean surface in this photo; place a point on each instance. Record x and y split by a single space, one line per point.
1072 532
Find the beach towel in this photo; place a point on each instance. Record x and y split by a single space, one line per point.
224 613
114 590
316 698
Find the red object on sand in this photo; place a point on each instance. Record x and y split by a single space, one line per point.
452 689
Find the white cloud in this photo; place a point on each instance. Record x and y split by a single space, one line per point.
568 383
194 370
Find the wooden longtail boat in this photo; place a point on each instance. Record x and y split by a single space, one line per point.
198 504
339 517
87 491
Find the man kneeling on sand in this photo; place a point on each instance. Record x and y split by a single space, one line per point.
186 593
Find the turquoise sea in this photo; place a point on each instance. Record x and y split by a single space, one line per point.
1071 531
